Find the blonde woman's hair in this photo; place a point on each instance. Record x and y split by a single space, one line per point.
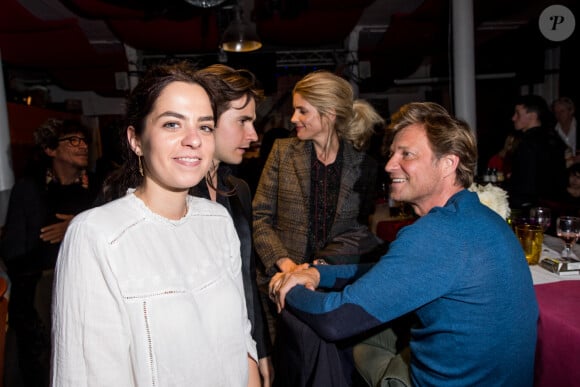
330 94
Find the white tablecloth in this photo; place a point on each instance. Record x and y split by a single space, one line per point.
553 246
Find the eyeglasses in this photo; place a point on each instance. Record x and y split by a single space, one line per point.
75 140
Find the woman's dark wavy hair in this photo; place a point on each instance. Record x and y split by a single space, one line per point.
138 106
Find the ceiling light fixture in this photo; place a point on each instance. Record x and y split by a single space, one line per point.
205 3
240 36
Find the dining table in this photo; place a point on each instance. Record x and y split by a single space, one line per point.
558 344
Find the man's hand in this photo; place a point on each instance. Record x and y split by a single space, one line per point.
286 265
55 232
282 283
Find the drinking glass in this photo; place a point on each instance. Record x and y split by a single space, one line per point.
542 216
567 229
531 237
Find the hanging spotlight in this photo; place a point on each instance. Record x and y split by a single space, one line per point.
240 36
205 3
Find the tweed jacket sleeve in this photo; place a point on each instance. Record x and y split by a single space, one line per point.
281 204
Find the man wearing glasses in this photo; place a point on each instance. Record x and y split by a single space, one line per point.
42 203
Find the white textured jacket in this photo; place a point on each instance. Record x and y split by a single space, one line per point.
140 300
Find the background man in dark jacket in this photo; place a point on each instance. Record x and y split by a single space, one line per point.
538 163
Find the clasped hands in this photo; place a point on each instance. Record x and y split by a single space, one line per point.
291 275
54 233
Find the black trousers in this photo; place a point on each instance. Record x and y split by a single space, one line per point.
32 336
302 359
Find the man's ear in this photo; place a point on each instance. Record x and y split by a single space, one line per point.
535 116
450 163
134 141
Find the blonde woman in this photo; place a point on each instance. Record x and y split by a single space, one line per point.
319 185
316 192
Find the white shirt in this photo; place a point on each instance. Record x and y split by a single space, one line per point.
570 138
141 300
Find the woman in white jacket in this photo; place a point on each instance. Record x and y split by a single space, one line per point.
148 289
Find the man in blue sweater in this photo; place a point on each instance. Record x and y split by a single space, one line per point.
459 268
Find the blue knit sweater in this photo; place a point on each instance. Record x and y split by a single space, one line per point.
462 271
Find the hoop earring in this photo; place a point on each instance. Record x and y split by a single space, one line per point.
140 166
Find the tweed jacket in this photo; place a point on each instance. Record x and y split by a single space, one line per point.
282 201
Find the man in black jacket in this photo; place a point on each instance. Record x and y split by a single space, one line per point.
234 132
538 164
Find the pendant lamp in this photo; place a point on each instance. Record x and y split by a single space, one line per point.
240 36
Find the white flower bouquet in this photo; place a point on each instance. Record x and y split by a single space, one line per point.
494 197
